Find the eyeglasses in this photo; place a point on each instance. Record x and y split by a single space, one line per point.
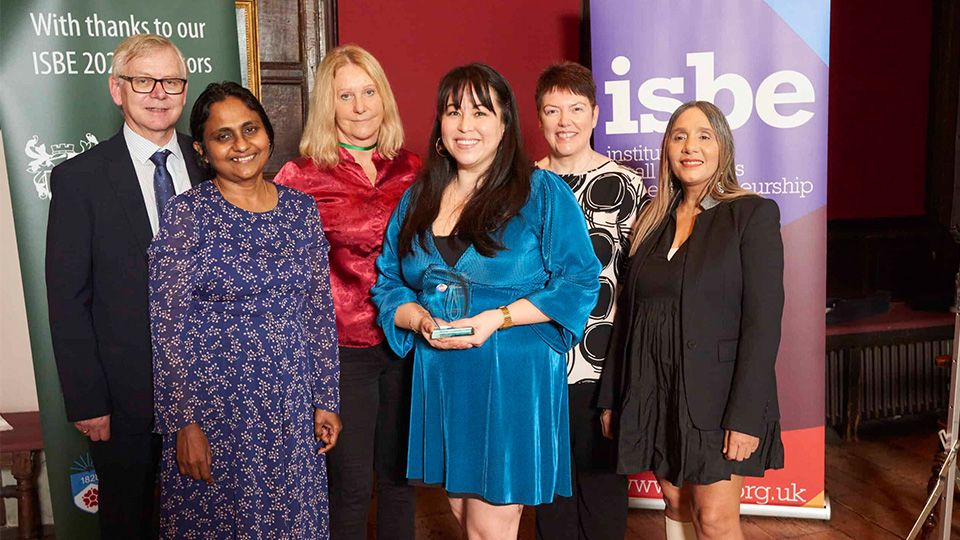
145 85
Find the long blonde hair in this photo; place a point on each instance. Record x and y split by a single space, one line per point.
668 186
319 141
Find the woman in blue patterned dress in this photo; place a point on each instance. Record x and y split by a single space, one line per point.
244 340
482 241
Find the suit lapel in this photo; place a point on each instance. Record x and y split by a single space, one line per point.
700 247
189 158
123 179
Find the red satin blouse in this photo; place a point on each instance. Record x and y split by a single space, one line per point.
354 213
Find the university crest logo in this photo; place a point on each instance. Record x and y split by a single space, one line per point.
42 160
85 485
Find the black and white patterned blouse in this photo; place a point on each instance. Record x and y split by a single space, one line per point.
611 197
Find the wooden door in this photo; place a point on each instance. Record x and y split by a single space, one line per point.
294 35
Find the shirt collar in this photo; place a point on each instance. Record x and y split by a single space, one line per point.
141 149
708 202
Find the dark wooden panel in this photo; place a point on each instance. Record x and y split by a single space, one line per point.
293 34
281 72
943 130
285 109
280 31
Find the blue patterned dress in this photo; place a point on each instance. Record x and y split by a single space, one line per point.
245 344
493 420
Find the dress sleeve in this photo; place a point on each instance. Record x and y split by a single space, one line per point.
761 259
570 293
319 320
391 291
174 268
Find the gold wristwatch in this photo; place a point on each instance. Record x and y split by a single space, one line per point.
507 319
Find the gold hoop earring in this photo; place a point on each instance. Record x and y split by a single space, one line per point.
441 150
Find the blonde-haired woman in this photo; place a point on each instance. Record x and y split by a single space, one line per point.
354 165
689 382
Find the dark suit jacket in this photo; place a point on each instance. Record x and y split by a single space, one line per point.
96 271
731 306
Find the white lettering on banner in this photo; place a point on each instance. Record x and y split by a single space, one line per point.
706 86
649 122
750 493
620 90
644 486
51 24
199 65
62 62
792 494
768 98
55 62
760 494
781 187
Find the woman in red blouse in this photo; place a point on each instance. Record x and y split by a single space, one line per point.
354 166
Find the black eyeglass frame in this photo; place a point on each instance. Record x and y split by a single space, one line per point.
155 82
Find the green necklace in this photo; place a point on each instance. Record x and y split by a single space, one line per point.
361 148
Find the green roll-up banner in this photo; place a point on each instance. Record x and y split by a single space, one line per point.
55 58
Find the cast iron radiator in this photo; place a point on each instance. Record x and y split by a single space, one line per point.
897 373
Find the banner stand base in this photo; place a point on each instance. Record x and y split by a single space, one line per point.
763 510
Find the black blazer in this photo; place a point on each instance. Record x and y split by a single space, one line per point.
96 272
730 308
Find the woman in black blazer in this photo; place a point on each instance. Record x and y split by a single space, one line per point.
689 385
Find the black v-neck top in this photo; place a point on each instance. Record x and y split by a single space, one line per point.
451 248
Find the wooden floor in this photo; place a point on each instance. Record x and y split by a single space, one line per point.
876 487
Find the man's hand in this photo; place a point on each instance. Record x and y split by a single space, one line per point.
326 428
193 453
97 429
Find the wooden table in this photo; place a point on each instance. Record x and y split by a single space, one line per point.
19 449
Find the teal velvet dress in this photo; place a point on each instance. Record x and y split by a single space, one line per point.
492 421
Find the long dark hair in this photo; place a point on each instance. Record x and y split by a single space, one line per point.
502 190
215 93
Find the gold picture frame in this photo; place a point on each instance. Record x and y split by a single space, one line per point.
248 40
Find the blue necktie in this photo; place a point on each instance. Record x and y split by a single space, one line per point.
162 181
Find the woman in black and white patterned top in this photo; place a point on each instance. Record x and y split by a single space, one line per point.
611 196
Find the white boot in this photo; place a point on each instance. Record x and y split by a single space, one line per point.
680 530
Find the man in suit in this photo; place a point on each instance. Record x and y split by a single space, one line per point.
106 207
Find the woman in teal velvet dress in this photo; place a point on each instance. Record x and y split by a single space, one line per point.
482 241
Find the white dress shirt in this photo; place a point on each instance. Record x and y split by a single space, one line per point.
140 151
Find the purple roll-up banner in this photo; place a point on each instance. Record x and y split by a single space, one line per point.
765 64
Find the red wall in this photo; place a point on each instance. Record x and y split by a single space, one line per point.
418 42
879 69
879 93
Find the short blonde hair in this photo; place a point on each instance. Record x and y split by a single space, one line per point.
138 45
319 141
